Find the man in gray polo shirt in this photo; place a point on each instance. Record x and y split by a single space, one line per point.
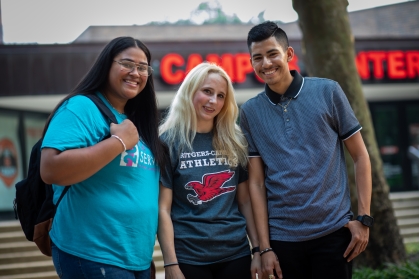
296 129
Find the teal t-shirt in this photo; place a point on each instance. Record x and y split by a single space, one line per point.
112 216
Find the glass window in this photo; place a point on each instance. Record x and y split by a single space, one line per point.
387 133
396 127
10 159
33 128
412 115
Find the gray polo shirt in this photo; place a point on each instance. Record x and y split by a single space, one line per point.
301 145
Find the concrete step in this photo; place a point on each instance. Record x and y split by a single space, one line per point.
412 239
157 253
16 253
158 258
12 237
406 213
10 226
412 195
405 204
159 265
14 247
408 222
37 275
406 210
26 268
410 232
22 257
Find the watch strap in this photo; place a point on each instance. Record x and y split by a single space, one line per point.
255 249
369 222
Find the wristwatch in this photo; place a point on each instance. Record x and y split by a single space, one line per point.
365 220
255 250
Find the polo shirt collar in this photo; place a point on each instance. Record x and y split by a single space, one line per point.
292 91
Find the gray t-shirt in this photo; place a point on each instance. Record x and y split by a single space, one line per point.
208 225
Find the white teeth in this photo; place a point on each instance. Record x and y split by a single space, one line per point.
271 72
131 82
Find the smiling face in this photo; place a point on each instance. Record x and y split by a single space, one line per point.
122 84
270 62
208 101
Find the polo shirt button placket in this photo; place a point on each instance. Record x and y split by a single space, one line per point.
287 121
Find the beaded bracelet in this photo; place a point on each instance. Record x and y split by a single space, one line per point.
118 138
170 264
266 250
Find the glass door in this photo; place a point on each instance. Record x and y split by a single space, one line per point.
386 124
412 115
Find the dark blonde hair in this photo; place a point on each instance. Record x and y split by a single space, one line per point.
180 123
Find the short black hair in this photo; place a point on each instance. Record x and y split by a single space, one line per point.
264 31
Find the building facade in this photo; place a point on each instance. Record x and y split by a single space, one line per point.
35 77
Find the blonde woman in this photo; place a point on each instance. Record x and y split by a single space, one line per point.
204 204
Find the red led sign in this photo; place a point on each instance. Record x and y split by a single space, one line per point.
375 64
399 64
236 65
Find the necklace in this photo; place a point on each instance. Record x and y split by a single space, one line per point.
285 106
121 113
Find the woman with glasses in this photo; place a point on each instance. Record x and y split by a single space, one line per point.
204 204
105 225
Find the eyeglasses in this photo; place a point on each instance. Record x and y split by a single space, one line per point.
143 70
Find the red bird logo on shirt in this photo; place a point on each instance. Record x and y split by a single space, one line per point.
211 187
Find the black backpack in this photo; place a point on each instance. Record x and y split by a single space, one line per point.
33 204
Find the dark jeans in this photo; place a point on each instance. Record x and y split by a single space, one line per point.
235 269
72 267
320 258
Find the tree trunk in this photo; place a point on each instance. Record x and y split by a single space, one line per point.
328 50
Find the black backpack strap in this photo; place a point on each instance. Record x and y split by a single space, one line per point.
66 188
106 112
62 195
102 107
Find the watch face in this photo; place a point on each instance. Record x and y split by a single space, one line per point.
367 220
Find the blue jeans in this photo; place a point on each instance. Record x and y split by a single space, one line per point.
72 267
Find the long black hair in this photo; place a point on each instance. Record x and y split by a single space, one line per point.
141 110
